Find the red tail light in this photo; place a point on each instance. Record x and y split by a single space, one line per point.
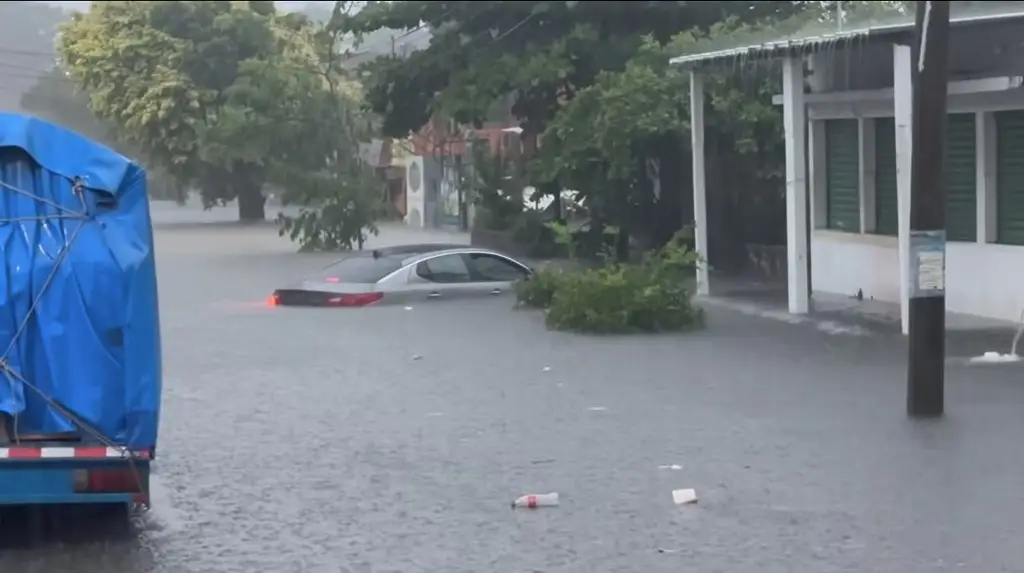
361 299
273 300
119 480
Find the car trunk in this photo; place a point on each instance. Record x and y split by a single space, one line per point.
317 293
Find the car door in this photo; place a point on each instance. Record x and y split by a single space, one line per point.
496 274
442 277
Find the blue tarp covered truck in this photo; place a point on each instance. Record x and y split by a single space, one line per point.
80 373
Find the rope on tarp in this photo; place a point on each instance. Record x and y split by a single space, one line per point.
78 188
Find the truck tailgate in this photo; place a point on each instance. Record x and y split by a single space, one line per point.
61 474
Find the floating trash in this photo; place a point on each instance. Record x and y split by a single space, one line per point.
995 358
671 467
536 500
684 496
546 369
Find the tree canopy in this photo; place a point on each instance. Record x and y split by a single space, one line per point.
593 90
226 96
542 52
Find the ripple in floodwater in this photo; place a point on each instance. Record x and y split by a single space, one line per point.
107 538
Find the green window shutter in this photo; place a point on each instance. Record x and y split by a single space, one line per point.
842 164
886 196
1010 177
961 179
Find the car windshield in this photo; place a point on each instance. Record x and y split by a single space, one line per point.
362 269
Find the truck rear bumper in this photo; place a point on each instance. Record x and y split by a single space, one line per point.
32 476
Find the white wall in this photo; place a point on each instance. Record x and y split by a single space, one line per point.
843 263
981 279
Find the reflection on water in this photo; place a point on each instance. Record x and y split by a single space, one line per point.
25 528
55 539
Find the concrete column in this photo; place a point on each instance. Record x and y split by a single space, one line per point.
794 112
985 176
866 127
903 100
818 173
700 210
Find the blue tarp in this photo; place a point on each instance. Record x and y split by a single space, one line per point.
92 342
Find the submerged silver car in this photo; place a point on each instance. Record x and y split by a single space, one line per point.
406 274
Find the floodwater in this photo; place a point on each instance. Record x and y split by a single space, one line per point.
303 440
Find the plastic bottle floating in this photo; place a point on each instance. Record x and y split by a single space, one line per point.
535 501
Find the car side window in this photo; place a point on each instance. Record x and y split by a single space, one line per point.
444 269
491 268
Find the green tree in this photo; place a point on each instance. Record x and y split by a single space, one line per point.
545 55
541 52
340 195
220 94
619 140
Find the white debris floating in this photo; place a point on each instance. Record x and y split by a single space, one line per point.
671 467
684 496
995 358
546 369
536 500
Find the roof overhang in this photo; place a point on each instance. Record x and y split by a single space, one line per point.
795 46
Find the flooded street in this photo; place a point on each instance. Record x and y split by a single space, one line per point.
310 440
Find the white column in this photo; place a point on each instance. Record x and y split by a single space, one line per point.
794 114
818 173
866 127
700 210
903 98
985 175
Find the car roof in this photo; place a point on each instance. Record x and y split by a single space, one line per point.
415 249
453 250
407 253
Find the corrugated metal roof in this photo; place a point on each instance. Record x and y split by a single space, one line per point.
814 42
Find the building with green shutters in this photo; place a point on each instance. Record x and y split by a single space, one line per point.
847 112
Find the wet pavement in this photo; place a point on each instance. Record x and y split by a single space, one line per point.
298 440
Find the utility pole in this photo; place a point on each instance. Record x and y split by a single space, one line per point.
927 337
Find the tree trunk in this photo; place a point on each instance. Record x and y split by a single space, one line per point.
251 204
